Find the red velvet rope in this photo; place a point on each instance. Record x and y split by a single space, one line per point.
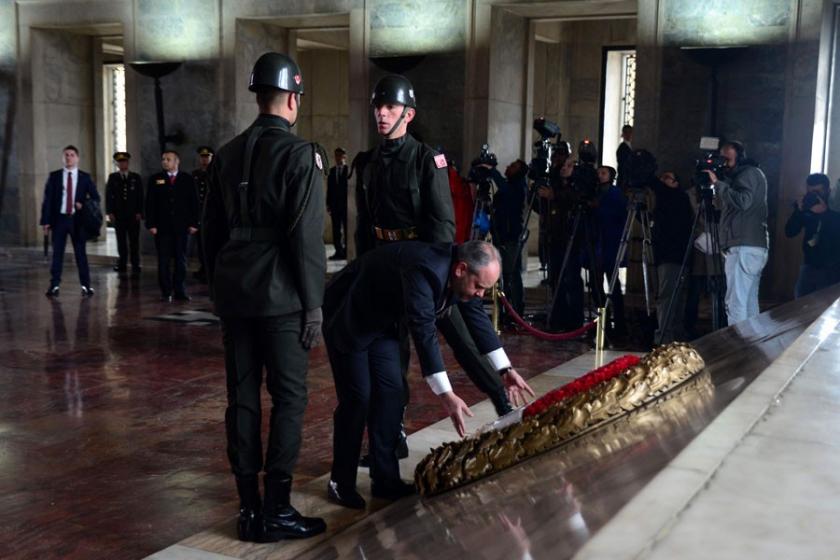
542 335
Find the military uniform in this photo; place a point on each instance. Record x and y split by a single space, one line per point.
124 201
202 184
263 227
172 208
404 195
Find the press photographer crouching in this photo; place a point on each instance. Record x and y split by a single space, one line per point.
508 205
742 194
671 232
821 242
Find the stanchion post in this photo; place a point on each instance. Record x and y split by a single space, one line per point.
601 329
496 311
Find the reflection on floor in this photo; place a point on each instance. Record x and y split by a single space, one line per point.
112 439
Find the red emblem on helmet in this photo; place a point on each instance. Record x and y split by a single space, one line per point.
297 79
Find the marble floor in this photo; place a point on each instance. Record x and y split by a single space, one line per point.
111 435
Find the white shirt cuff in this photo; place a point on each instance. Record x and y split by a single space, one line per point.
498 359
439 383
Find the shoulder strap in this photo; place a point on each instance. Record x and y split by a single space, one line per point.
253 136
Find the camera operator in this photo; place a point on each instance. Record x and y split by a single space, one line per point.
557 210
610 212
508 205
672 219
742 193
821 242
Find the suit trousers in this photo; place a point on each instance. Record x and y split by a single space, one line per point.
251 344
128 241
67 225
171 245
369 385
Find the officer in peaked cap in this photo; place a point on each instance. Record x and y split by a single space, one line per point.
124 206
202 182
263 239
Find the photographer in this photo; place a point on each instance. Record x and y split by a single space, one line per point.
821 242
672 219
559 203
610 212
508 205
742 193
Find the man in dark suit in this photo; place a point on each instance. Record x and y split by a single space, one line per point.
624 156
417 283
337 203
202 185
172 216
64 193
124 206
263 229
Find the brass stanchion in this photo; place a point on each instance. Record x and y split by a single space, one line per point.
496 311
601 329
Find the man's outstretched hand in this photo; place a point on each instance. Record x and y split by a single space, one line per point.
518 391
457 409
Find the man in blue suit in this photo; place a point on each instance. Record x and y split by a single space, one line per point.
417 283
64 193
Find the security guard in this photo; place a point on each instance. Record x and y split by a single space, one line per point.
263 237
124 206
202 182
405 195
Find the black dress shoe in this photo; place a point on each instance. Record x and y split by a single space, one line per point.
87 291
119 269
393 490
287 523
345 497
182 297
249 525
166 298
52 292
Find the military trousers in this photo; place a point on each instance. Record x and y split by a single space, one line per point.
127 229
254 344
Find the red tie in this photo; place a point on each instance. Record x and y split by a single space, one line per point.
68 209
172 179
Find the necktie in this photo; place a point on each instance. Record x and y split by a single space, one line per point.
172 179
68 208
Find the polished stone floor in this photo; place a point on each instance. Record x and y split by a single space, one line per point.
111 435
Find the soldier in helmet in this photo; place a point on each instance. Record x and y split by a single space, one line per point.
403 194
124 206
202 179
262 227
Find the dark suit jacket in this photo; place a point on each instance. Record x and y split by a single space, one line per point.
623 156
400 281
54 190
337 189
171 208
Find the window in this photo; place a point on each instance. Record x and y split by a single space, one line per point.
619 99
115 127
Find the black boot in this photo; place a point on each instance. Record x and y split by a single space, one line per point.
280 519
346 497
249 525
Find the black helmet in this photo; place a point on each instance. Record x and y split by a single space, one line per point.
395 89
278 71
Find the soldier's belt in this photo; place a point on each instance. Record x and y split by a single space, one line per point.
255 234
404 234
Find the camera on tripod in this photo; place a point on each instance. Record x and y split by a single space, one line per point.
481 174
540 166
711 161
585 175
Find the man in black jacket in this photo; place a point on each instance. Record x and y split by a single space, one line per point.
672 220
508 210
263 235
172 216
337 203
415 283
403 194
821 240
202 185
124 206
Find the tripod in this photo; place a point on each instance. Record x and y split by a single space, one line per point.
715 280
636 212
580 216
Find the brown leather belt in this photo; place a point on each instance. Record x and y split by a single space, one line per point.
405 234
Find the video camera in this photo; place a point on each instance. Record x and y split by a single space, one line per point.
540 166
711 161
481 167
585 175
